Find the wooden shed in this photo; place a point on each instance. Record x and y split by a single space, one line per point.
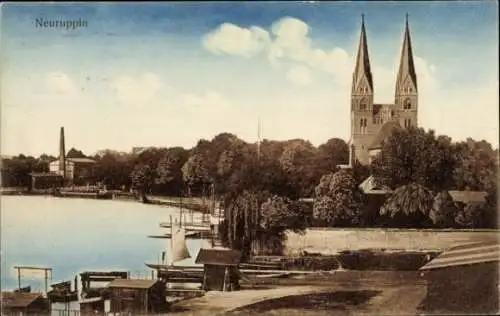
137 297
220 269
23 303
464 280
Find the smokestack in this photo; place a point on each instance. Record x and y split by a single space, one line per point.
62 154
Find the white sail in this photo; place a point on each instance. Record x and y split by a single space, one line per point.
178 249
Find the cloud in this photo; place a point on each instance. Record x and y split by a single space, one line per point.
300 75
234 40
209 99
137 91
288 44
60 83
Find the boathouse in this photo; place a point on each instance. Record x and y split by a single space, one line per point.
464 280
220 269
63 298
45 180
137 297
24 303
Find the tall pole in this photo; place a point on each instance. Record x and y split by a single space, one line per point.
258 139
19 278
46 281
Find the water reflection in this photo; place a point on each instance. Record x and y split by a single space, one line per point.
73 235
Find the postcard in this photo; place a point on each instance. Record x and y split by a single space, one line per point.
240 158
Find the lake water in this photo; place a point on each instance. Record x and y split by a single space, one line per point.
75 235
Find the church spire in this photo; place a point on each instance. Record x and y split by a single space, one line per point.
362 69
406 65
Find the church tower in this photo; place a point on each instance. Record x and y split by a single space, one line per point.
361 100
406 96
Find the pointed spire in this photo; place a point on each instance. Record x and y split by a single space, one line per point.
406 65
362 69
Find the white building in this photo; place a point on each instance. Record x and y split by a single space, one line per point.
77 169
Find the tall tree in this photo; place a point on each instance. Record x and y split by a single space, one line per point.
415 156
331 154
338 201
142 179
195 173
477 167
169 170
298 161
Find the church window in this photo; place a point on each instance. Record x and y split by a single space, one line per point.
362 125
392 113
374 120
407 104
362 106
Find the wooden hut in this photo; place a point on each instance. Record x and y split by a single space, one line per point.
463 280
137 297
24 303
220 269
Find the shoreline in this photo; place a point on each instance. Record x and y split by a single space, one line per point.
114 196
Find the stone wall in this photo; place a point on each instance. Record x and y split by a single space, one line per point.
330 241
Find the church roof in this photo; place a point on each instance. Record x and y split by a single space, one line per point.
362 68
383 133
406 65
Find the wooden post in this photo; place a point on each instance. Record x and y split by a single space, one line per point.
224 281
203 285
19 278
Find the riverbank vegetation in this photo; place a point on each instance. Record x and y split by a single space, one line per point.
260 185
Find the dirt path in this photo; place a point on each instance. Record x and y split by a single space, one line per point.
217 303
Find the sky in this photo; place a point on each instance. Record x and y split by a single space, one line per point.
169 74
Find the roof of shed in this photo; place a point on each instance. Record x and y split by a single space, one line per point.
136 284
466 254
18 299
218 257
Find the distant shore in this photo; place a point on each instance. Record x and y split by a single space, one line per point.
192 203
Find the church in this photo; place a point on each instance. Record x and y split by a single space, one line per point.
372 123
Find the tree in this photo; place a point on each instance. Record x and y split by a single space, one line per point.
298 163
331 154
75 153
142 179
241 220
195 172
338 201
281 213
409 206
169 170
415 156
477 167
113 169
443 210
